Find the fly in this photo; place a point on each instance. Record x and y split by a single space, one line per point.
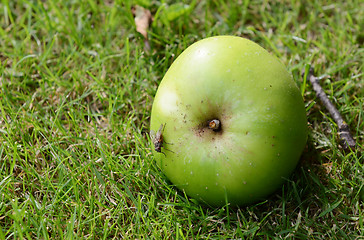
157 138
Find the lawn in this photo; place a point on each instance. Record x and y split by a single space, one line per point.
77 83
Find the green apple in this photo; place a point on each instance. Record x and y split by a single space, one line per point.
262 118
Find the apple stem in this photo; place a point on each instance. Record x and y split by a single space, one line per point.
215 124
347 140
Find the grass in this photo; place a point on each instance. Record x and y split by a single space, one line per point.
76 90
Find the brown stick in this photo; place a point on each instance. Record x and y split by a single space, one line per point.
347 141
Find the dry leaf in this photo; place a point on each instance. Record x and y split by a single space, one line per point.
142 19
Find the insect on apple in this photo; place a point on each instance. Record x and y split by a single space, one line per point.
157 139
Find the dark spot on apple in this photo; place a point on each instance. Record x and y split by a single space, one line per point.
273 145
199 132
217 111
247 132
270 85
203 129
188 106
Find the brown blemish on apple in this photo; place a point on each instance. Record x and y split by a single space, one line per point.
199 132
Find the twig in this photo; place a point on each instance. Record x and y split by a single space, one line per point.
347 140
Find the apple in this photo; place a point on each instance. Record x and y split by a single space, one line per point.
230 122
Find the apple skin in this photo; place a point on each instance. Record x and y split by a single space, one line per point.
262 114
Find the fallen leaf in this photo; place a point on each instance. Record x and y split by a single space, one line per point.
142 19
